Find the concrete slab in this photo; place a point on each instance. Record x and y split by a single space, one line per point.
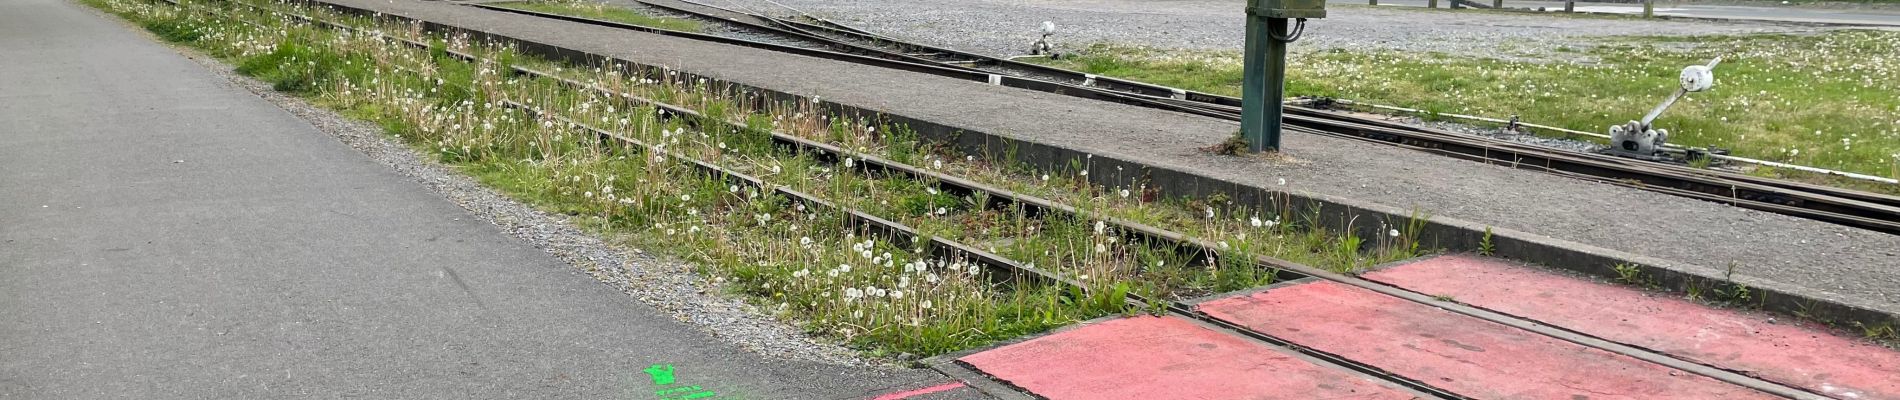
1787 352
1464 355
166 234
1165 358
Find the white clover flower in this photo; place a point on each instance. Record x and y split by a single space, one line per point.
1101 248
847 162
1124 193
1045 177
1210 212
925 304
938 164
686 198
1282 181
844 268
1255 221
1100 227
1393 233
804 241
942 211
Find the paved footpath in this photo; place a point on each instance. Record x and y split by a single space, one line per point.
166 234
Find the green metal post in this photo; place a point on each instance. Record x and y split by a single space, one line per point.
1431 3
1649 9
1263 88
1497 3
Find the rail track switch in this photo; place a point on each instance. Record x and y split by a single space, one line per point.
1263 85
1640 139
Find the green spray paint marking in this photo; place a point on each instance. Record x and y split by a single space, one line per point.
662 375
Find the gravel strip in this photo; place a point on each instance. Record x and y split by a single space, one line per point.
999 27
669 285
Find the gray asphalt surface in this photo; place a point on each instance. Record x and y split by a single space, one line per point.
167 234
1847 265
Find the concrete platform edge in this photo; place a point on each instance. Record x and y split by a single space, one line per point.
1452 234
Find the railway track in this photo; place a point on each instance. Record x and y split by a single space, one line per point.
1858 209
892 227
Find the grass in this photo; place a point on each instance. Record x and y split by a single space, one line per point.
802 264
1825 100
602 11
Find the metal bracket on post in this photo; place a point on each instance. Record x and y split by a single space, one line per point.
1264 84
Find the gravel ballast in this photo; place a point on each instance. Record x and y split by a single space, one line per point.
1008 27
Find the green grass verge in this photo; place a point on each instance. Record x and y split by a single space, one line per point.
802 265
1827 100
605 12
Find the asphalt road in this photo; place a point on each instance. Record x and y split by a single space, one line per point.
166 234
1746 13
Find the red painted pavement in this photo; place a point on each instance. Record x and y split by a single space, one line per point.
1165 358
1790 354
1465 355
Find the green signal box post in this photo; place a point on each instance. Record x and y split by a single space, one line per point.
1264 87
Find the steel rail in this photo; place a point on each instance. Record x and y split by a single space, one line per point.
1834 205
1132 230
1197 249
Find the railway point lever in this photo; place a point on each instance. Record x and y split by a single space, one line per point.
1263 89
